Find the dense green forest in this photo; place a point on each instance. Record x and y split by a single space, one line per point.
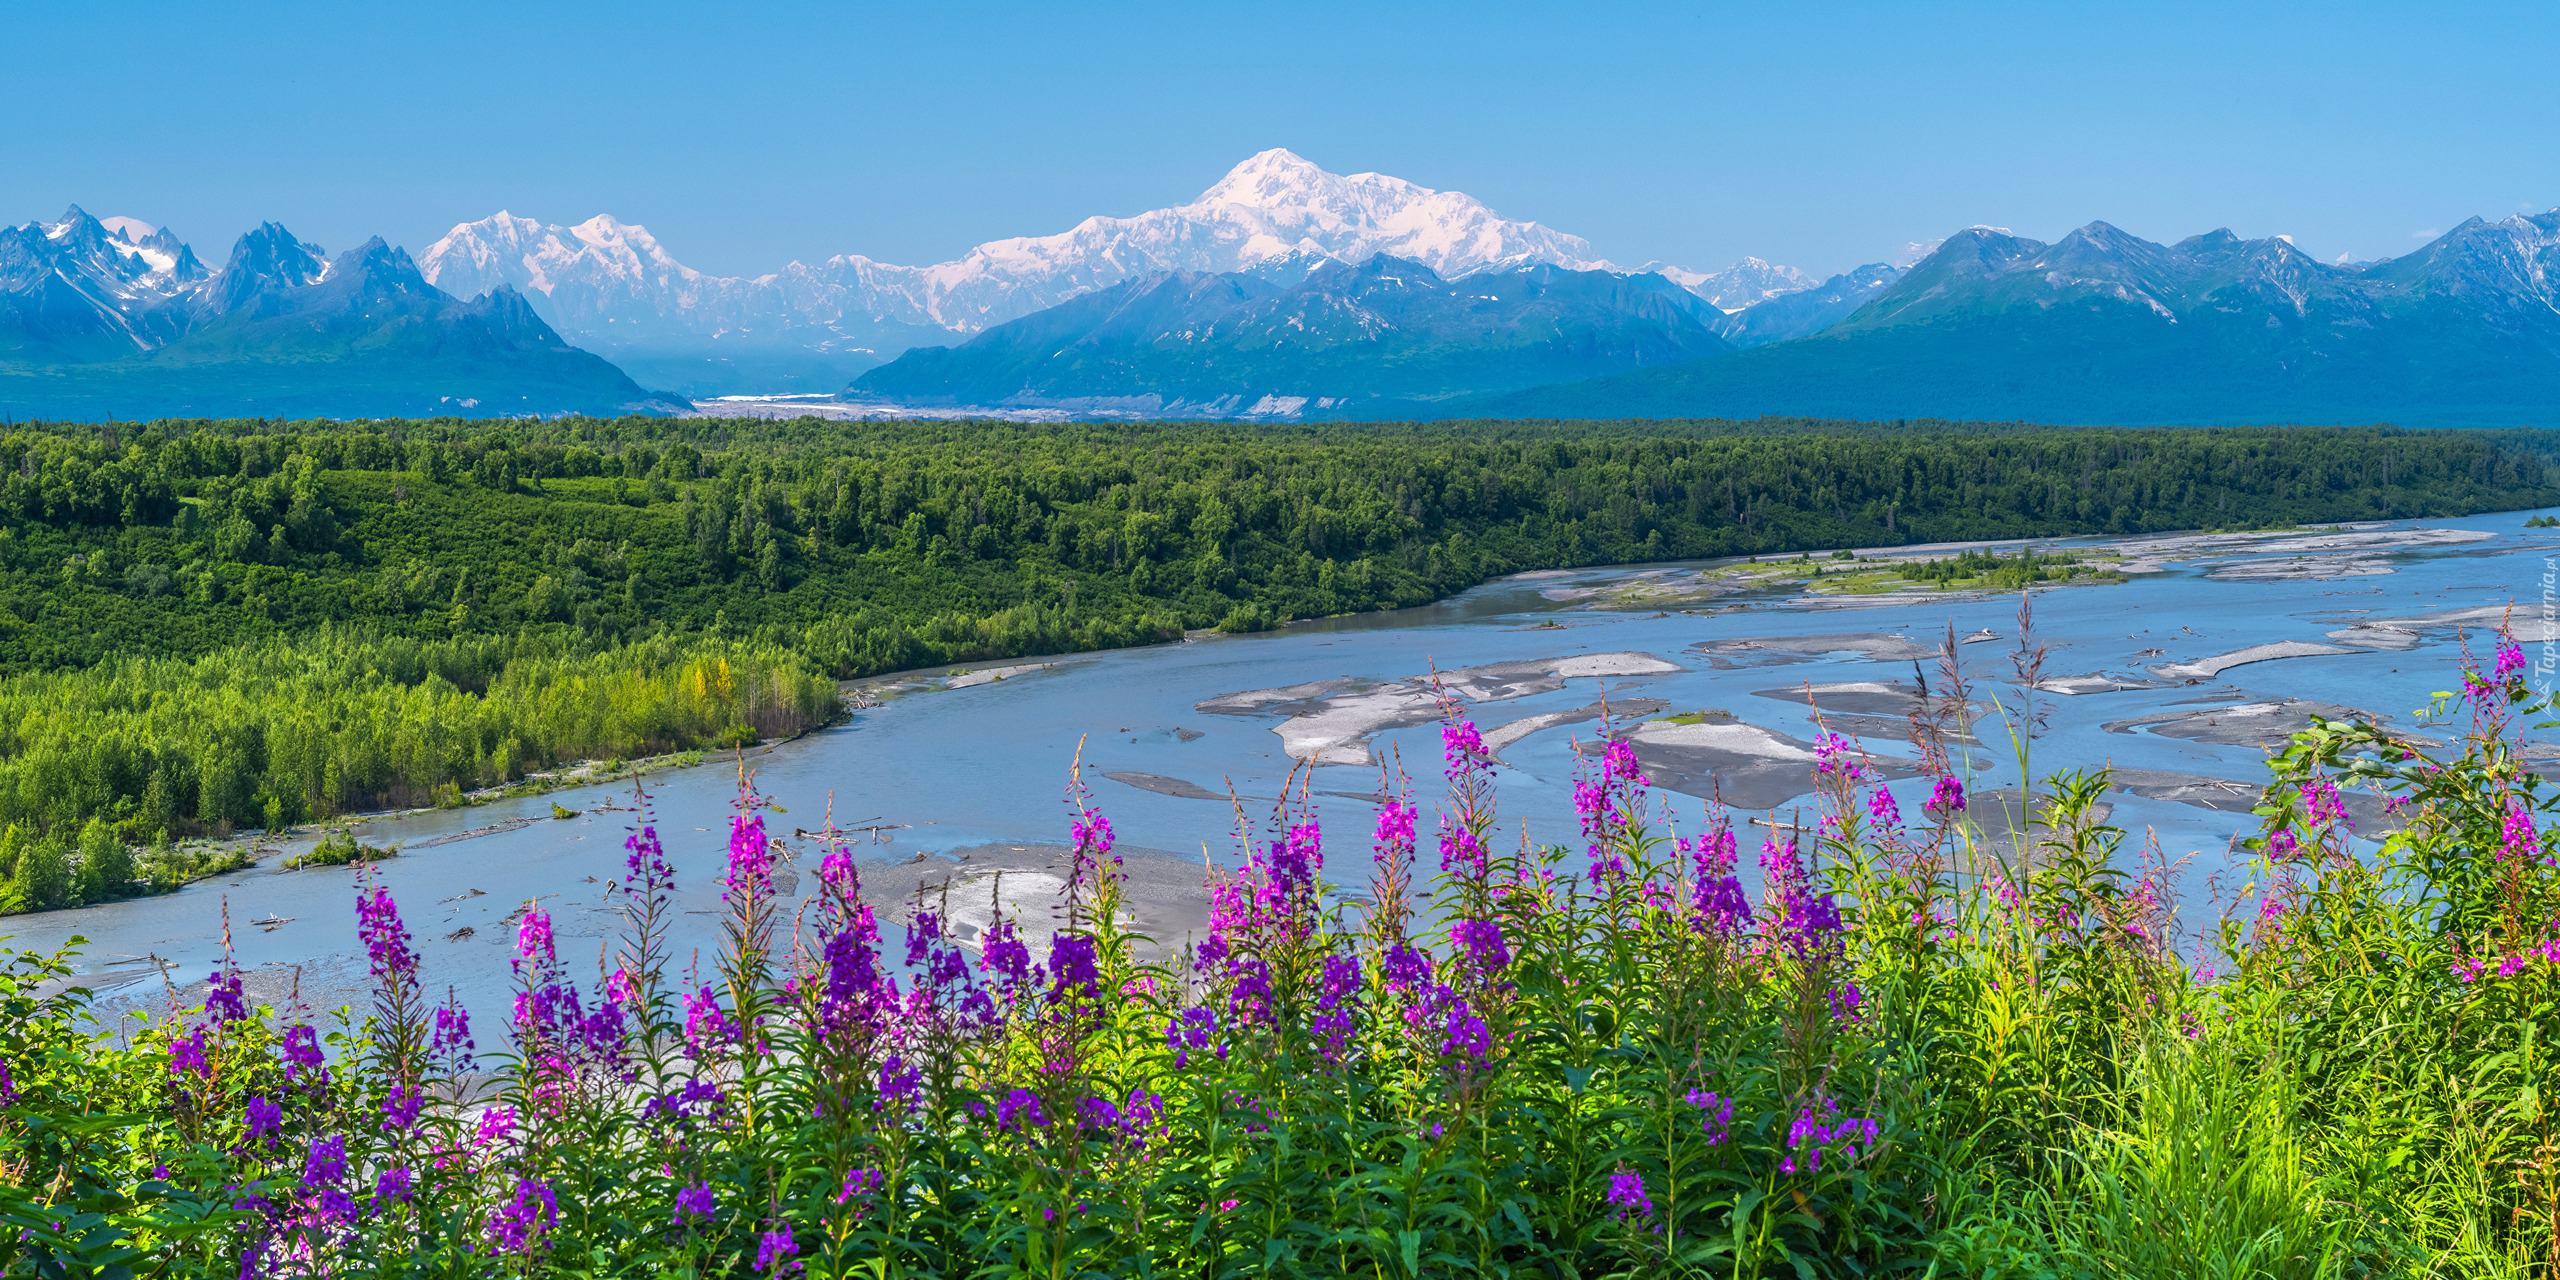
212 624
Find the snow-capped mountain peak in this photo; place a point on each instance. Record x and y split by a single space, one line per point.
628 244
1744 284
610 281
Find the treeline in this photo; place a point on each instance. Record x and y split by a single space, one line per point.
210 624
275 732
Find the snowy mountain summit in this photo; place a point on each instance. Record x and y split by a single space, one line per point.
610 284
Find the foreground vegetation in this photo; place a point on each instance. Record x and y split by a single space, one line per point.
208 626
1919 1051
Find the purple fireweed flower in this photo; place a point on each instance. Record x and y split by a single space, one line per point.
1460 851
1393 840
697 1099
1808 923
860 1184
705 1023
1141 1115
1462 747
836 872
695 1203
1406 968
325 1164
186 1056
901 1086
1817 1129
2510 660
1946 799
1250 1002
517 1227
386 940
1192 1029
8 1087
1835 754
1720 907
1098 1113
452 1040
533 938
1717 904
1019 1111
400 1109
302 1057
1337 1003
750 859
264 1120
393 1187
853 970
1482 942
774 1254
1847 1004
1297 859
2320 800
1002 955
1883 809
1092 833
497 1128
1074 976
1463 1036
1718 1121
224 1000
2516 837
603 1035
1626 1191
649 873
2283 844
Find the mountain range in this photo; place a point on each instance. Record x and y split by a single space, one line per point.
122 320
2103 326
1288 291
612 287
1385 330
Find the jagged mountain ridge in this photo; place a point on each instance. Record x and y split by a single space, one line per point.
95 320
1384 330
2105 327
612 285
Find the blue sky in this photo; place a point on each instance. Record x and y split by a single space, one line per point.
745 135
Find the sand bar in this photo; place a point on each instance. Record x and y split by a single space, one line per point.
1331 721
1749 767
2208 668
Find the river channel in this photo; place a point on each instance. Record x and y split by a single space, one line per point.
964 777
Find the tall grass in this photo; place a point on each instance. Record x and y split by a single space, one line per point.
1923 1050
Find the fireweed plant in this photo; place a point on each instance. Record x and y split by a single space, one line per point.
1918 1047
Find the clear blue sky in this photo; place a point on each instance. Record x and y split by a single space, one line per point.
745 135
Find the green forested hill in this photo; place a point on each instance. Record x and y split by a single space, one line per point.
874 546
271 592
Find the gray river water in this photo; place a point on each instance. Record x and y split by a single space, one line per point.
971 778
